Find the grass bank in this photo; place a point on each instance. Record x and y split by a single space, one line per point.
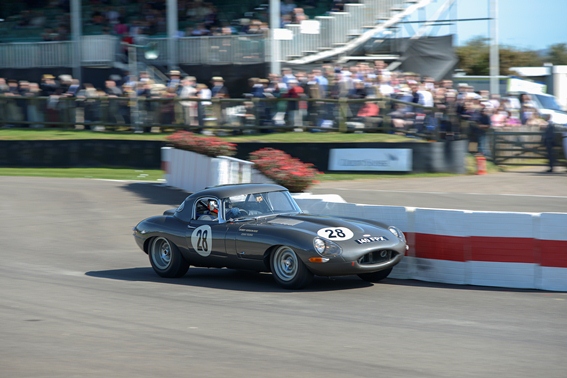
94 173
153 175
291 137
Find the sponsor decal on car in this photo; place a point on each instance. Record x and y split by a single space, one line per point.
371 239
247 232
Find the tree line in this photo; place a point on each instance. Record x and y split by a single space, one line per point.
474 57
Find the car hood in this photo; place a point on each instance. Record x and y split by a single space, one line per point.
332 228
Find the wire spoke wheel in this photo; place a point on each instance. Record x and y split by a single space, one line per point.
285 263
166 259
160 253
288 270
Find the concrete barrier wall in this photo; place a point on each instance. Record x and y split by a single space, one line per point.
446 156
192 172
501 249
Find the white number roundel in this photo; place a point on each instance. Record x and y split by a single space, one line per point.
202 240
335 233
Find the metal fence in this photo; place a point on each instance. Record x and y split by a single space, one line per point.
512 146
230 49
522 146
336 29
221 116
34 54
103 50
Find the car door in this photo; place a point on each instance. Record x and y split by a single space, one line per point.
205 237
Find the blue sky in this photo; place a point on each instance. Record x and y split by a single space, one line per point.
523 24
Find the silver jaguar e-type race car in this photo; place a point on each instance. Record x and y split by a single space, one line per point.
260 227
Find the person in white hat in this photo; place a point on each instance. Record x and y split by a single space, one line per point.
189 91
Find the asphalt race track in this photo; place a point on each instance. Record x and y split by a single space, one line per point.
79 299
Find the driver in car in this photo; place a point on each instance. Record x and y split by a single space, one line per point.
231 212
213 209
212 212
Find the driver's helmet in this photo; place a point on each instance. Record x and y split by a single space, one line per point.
213 206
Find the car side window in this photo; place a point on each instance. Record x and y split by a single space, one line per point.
206 209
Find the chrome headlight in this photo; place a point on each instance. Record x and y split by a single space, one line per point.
326 248
397 232
319 245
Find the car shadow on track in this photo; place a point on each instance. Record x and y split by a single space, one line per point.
228 279
156 194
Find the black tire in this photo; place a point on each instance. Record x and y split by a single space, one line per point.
376 276
288 269
166 259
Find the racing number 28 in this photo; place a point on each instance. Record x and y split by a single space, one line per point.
202 244
334 234
201 240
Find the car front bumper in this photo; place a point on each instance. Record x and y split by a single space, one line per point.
340 267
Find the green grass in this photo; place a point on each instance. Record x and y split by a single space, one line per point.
156 174
331 137
153 175
54 134
94 173
290 137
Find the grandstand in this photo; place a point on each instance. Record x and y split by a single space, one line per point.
37 33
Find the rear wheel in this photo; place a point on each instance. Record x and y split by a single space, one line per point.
166 259
288 270
375 276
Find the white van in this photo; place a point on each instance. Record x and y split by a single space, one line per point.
547 104
543 102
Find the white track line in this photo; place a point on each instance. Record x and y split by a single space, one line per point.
445 193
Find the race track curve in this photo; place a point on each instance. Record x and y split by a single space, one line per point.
79 299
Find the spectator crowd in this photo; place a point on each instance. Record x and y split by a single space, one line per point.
132 19
300 100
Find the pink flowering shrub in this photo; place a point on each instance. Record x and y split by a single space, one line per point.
205 145
284 169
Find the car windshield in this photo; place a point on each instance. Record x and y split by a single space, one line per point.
548 102
260 204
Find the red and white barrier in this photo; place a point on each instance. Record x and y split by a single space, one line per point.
502 249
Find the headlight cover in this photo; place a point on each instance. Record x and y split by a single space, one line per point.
326 248
397 232
319 245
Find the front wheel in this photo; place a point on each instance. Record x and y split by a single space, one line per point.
375 276
166 259
288 270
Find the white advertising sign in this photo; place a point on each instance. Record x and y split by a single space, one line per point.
371 159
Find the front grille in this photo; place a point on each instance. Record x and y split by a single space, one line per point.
377 257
